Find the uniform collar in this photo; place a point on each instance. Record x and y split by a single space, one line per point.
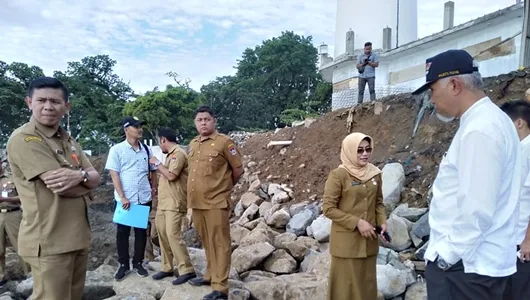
211 137
49 131
173 149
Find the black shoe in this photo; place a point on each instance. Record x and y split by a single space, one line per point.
215 295
122 271
162 275
183 278
140 270
198 281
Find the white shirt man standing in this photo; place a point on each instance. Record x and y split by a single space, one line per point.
475 205
519 283
135 181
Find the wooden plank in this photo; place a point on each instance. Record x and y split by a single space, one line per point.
279 143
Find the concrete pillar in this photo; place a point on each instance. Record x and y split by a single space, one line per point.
449 14
350 41
524 60
387 38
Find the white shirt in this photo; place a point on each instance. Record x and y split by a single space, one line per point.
475 205
524 200
133 168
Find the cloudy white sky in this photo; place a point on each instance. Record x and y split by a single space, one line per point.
199 39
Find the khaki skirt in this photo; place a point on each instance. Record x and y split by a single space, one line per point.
352 278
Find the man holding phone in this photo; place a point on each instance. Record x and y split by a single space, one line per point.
366 64
134 181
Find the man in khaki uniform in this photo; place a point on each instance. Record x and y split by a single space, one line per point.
172 205
53 178
10 217
152 235
215 165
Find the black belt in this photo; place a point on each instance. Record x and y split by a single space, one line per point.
6 210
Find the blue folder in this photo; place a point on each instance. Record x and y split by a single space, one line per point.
137 216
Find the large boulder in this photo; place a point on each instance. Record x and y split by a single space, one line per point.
299 286
393 183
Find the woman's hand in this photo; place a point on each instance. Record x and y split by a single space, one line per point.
366 229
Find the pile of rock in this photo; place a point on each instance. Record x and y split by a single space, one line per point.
287 244
240 136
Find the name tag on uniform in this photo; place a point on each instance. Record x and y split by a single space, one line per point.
355 183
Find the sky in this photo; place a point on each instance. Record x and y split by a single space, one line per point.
198 39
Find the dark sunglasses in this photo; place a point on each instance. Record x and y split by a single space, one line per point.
361 150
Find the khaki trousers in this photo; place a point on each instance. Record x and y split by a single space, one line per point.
151 232
59 277
9 225
214 229
168 224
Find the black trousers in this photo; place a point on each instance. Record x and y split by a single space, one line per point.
122 242
454 284
518 286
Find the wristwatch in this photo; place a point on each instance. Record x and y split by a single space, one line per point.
85 175
442 264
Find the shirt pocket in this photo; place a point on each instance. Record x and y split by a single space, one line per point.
62 159
349 203
214 161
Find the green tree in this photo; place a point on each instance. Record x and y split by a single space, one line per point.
279 75
98 97
172 108
14 81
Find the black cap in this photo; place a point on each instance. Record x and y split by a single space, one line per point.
131 121
446 64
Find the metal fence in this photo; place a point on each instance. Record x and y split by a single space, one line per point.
349 97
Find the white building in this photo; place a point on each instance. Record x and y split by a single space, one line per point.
358 16
494 40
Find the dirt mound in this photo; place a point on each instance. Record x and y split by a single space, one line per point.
98 162
315 150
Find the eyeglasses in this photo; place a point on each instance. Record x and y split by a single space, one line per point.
362 150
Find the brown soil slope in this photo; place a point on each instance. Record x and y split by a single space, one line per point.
315 150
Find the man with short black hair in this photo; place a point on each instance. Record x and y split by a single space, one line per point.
519 283
172 208
366 64
134 181
472 245
53 178
215 165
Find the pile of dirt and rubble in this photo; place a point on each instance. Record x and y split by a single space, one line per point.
315 149
279 237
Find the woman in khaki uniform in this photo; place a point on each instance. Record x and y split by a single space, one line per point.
353 201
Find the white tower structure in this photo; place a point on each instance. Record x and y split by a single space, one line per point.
368 18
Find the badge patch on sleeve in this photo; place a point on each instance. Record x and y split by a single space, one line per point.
232 149
32 138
